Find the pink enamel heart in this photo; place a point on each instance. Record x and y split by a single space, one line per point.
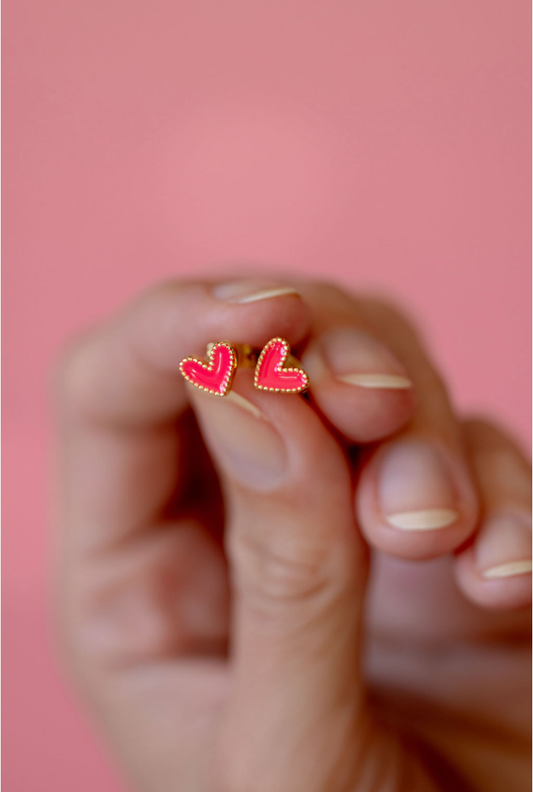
214 376
270 374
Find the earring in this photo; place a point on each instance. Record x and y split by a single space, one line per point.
271 372
215 374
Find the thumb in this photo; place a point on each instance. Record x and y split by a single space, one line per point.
299 569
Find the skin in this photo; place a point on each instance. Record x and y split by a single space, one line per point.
234 631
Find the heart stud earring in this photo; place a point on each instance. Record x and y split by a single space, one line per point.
272 373
215 374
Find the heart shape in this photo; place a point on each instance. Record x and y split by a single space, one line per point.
270 374
214 376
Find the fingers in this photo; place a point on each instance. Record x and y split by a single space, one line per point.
122 393
133 581
371 376
358 382
127 371
298 568
416 498
495 569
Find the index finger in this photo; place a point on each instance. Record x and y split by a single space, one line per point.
121 393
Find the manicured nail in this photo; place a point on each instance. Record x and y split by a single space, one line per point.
415 491
250 291
356 358
244 442
503 546
511 569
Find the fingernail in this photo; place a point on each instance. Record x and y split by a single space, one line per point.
250 291
243 440
356 358
415 490
503 547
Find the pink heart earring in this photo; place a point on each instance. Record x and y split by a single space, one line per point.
215 374
272 373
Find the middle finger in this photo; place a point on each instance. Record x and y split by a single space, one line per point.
415 496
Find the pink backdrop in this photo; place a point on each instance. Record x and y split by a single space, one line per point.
385 144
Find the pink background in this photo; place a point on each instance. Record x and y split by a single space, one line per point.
385 144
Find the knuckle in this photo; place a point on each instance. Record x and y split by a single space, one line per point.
329 289
331 294
158 302
286 574
386 316
486 431
122 606
478 424
481 434
73 375
436 390
387 312
160 294
485 435
279 572
131 618
79 373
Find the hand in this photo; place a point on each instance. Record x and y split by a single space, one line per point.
214 596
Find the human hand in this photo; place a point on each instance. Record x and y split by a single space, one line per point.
272 665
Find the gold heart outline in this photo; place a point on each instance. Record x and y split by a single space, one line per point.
282 366
208 363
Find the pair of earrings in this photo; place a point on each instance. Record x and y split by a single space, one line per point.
215 374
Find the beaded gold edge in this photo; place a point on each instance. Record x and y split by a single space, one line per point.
287 351
226 382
